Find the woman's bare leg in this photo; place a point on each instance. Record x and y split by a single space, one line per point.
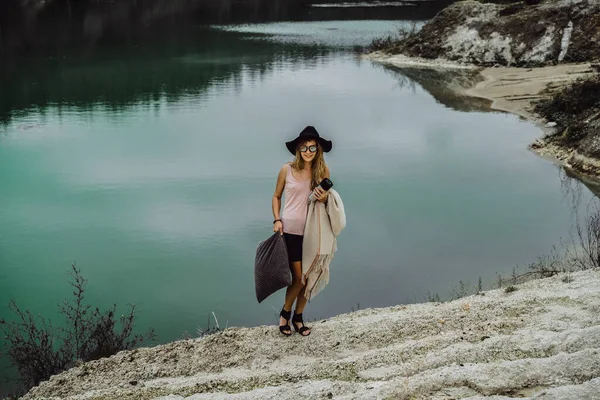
301 301
300 304
292 291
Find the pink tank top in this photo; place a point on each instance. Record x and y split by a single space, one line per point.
295 206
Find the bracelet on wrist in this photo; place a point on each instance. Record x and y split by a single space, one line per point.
277 220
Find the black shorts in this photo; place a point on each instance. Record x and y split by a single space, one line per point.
294 246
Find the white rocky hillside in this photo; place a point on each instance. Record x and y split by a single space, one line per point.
541 341
523 33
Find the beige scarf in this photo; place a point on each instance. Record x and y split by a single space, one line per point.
323 224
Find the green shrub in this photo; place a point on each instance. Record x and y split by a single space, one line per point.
38 350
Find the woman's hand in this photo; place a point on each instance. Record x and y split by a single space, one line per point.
278 227
321 195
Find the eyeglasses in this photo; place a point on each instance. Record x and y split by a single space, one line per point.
304 149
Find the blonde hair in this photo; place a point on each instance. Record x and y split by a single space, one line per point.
318 164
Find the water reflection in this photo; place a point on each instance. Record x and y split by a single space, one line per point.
447 86
581 204
63 27
84 54
144 76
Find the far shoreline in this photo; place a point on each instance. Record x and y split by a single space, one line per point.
515 90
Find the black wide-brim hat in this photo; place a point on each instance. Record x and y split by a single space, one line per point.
309 133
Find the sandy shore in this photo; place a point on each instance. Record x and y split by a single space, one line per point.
399 60
514 90
541 341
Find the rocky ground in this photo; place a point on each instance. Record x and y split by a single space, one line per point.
576 112
541 341
518 34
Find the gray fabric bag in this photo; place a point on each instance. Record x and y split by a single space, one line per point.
271 268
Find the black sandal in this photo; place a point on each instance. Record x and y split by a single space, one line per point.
285 329
298 319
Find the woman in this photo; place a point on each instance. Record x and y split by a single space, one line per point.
297 180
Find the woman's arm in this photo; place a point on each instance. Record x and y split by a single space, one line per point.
276 201
320 194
